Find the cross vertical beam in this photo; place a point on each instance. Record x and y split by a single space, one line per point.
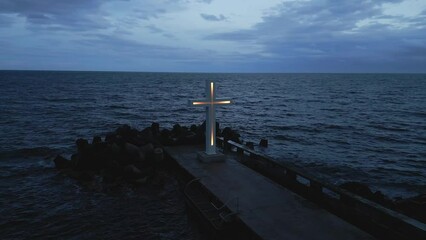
210 119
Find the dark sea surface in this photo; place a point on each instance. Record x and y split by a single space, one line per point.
369 128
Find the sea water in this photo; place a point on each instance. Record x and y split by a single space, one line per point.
369 128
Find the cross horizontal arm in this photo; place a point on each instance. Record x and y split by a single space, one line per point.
206 103
223 101
198 102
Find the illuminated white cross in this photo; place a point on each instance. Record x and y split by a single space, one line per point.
210 102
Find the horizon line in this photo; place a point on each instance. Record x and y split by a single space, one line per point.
202 72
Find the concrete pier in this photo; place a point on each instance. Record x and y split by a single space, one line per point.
268 209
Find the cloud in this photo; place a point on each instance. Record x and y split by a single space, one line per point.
205 1
213 18
53 7
154 29
84 15
147 14
76 14
6 20
334 36
103 52
303 36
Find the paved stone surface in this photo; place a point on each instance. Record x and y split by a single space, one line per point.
272 211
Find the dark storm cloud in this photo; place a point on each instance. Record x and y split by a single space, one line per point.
327 34
78 14
213 18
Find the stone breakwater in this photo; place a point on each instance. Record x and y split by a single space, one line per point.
135 156
129 154
414 207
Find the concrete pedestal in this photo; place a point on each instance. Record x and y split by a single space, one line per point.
208 158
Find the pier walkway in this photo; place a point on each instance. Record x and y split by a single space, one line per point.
268 209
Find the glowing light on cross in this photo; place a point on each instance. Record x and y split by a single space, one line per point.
210 103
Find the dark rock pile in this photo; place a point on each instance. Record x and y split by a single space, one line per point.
130 154
414 207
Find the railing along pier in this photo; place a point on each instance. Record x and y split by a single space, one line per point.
370 216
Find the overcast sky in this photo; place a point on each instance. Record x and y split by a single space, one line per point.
214 35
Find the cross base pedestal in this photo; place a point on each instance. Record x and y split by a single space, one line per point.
208 158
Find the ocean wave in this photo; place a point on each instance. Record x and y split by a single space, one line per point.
45 152
338 141
388 128
400 171
119 107
64 99
296 128
292 139
335 126
285 138
282 128
314 128
390 139
422 139
381 150
131 115
416 114
414 160
182 110
332 109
